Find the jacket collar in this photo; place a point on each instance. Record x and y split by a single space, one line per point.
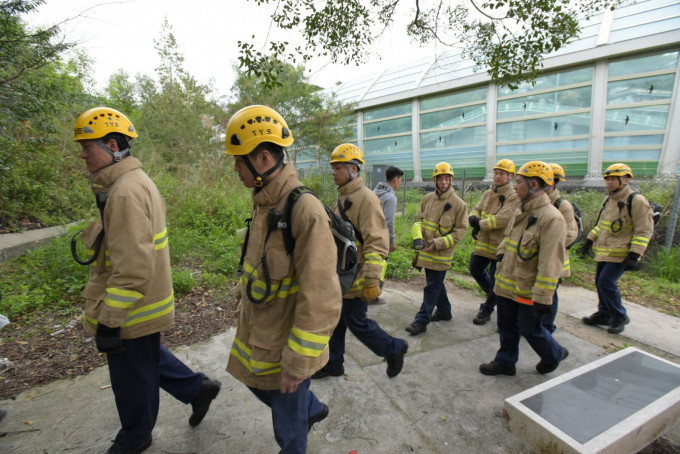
554 195
351 186
277 188
622 193
534 204
383 186
108 175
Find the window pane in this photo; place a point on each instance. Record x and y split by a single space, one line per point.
558 126
551 81
453 137
631 155
641 89
401 143
453 117
541 147
454 99
382 128
636 119
643 64
558 101
391 111
628 141
472 159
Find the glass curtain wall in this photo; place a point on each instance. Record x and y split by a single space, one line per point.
387 137
547 121
639 92
453 129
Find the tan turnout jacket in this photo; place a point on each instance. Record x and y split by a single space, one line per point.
567 210
616 234
291 328
366 215
495 209
444 227
534 278
130 284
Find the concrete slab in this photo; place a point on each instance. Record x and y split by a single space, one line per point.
617 404
16 244
440 403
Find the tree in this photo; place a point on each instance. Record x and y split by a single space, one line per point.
40 97
508 38
175 118
314 118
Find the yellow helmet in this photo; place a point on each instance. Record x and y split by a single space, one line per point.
98 122
537 169
253 125
443 168
505 164
558 172
348 153
618 170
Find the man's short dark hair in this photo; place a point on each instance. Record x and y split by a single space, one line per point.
392 172
123 141
275 150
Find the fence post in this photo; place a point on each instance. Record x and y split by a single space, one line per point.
403 199
670 231
462 193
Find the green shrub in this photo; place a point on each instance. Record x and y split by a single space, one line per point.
664 264
183 281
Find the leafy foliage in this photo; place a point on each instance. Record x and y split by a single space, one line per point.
506 37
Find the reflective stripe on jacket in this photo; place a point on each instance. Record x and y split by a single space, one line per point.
494 217
290 330
542 245
616 234
366 215
130 284
567 210
444 227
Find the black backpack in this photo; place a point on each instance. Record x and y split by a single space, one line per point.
656 208
578 216
343 233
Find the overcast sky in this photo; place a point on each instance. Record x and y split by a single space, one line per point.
121 34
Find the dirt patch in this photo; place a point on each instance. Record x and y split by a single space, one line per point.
50 346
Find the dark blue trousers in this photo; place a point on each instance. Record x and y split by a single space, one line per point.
485 280
290 415
549 320
516 320
434 295
606 280
353 317
136 376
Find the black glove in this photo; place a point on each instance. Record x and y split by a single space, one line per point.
543 309
108 339
499 258
474 222
585 248
475 232
631 263
418 244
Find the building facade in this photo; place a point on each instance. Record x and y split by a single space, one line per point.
609 96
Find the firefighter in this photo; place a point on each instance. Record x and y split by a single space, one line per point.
129 298
530 262
360 206
620 237
289 304
488 220
567 210
440 223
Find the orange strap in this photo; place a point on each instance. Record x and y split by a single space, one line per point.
525 301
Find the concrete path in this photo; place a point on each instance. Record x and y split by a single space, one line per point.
440 403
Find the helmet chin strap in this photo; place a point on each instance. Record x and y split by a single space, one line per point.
259 178
116 156
352 175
